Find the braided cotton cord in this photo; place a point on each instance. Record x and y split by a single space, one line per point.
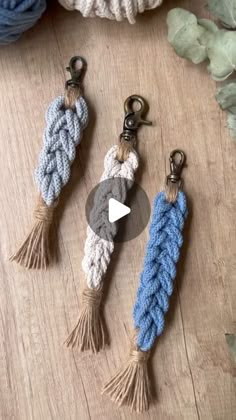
89 333
111 9
159 271
131 384
63 133
97 250
66 118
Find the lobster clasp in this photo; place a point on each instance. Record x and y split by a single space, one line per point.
77 67
177 162
134 118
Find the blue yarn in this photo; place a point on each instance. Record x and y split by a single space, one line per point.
16 16
159 271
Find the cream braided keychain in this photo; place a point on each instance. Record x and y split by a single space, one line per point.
120 165
66 118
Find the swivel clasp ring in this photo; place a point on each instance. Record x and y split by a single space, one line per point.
134 118
177 162
77 68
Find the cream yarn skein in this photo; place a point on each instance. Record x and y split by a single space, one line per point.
111 9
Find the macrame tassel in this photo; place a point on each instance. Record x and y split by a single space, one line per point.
35 252
120 165
66 118
131 385
89 332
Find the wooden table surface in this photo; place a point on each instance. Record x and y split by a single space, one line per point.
192 370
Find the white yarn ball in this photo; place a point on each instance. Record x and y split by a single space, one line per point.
111 9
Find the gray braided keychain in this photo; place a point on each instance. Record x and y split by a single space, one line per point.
66 118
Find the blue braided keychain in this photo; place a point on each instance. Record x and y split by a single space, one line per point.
159 270
131 385
66 118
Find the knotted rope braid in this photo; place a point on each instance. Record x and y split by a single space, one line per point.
89 333
97 250
62 135
131 384
120 165
66 118
111 9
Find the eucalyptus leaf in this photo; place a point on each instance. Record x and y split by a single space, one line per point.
221 51
209 25
201 39
225 11
231 123
208 35
197 40
226 97
231 341
184 34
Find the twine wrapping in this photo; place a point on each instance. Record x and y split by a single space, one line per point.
89 331
35 251
132 376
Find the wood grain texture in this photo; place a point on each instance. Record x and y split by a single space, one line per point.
192 371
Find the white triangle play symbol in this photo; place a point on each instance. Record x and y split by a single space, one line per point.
117 210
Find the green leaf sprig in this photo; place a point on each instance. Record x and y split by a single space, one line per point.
199 40
225 11
231 342
226 98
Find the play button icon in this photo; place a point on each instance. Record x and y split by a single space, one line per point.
117 210
108 204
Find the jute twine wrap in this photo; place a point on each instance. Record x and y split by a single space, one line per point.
89 333
62 135
124 149
130 385
171 191
35 251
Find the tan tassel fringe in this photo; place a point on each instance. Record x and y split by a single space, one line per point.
89 332
131 386
35 252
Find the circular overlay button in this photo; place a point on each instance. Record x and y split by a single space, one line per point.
117 209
